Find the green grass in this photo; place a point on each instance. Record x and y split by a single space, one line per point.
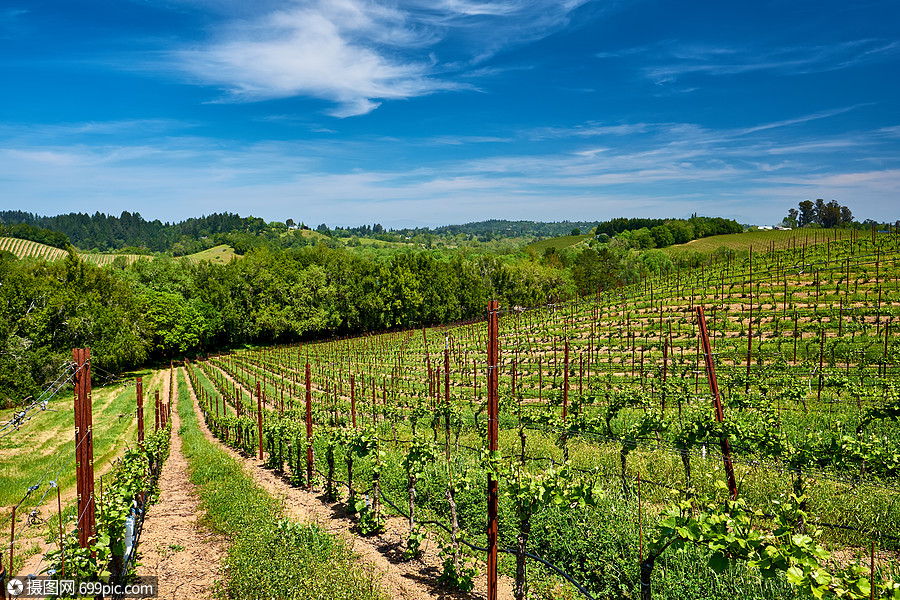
45 444
560 243
220 254
269 555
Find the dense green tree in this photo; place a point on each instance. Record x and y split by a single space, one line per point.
682 231
656 261
586 272
807 212
642 239
25 231
662 236
830 214
175 326
46 309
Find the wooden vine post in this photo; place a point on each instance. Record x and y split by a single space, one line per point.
720 413
84 446
447 391
493 434
353 401
139 385
309 448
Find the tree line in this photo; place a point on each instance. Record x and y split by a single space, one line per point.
157 309
109 233
666 232
23 231
820 213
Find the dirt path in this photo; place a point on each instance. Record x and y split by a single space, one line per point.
411 580
185 556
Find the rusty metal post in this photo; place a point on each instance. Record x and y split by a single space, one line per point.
84 446
156 414
720 413
353 401
171 389
665 374
447 388
140 408
309 435
540 383
821 363
749 327
566 383
259 419
493 434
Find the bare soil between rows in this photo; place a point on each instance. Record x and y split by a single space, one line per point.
174 546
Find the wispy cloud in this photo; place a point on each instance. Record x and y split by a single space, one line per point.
12 22
637 169
671 60
357 53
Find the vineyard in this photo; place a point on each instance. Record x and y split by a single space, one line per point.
630 460
27 248
729 430
22 248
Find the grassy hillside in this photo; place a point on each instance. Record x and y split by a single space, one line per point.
760 240
564 241
220 254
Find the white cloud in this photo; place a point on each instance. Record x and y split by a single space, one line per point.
323 51
357 53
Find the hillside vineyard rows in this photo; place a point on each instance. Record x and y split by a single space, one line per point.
27 248
613 466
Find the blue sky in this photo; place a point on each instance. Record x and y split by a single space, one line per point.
430 112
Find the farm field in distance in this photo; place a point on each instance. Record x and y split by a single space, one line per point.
220 254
